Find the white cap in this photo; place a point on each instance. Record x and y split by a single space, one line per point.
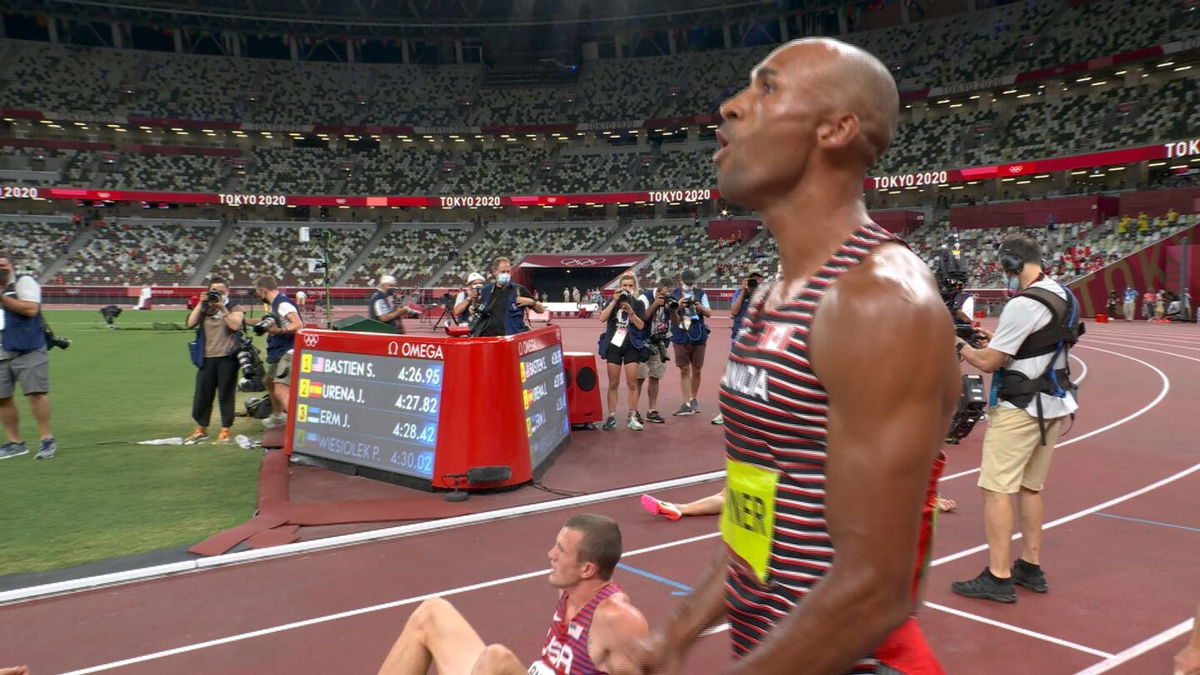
474 276
387 279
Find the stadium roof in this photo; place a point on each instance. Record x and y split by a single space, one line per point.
379 18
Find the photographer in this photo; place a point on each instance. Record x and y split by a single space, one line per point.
382 305
1032 396
23 359
657 338
738 309
689 334
622 346
218 323
502 304
466 304
280 323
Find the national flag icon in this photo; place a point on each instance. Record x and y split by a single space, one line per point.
314 389
319 364
528 427
523 374
298 442
306 363
528 396
302 413
304 387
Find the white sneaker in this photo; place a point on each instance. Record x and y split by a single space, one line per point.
719 419
634 424
275 421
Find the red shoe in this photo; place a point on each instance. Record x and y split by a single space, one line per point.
658 507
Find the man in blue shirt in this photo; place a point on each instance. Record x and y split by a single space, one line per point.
502 304
738 309
1131 296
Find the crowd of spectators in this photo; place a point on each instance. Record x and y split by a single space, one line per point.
278 251
411 254
124 253
36 244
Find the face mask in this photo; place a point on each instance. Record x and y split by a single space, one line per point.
503 278
1014 283
687 288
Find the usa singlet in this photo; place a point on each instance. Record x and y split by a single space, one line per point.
565 651
775 411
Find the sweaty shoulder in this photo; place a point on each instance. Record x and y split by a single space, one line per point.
617 612
891 282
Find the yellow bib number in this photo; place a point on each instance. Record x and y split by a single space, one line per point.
748 515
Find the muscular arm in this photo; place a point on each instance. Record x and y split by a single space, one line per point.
616 628
880 346
702 609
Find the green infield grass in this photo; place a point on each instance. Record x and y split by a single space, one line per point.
104 495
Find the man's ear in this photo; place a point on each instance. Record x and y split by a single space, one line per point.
838 132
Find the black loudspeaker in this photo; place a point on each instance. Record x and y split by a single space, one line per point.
361 324
583 390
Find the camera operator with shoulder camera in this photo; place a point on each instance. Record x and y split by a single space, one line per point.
689 333
738 309
502 304
466 304
23 360
280 324
657 337
1032 397
218 323
622 346
383 307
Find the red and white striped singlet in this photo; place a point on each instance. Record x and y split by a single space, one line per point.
775 411
565 651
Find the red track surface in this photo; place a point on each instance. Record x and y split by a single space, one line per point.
1122 568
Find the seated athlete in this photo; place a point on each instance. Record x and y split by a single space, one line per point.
594 622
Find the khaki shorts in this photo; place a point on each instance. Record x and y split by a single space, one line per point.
1013 457
653 368
281 370
31 370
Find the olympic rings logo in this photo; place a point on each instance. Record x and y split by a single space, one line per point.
582 262
311 341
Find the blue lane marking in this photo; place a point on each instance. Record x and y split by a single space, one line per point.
683 589
1147 522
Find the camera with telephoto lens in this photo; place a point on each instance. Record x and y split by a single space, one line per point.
670 303
752 283
266 323
212 297
56 341
659 342
623 296
249 359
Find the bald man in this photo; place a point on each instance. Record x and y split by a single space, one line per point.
837 394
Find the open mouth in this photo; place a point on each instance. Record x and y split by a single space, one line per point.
722 144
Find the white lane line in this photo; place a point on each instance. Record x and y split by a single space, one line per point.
1133 345
127 576
1162 393
356 612
1078 514
1017 629
1137 650
528 575
73 585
